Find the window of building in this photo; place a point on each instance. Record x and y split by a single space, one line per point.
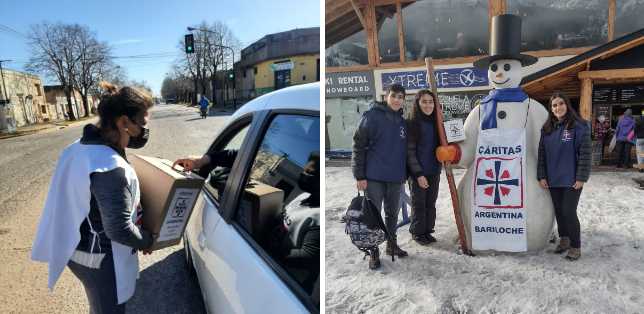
38 89
445 29
554 24
43 109
349 51
255 70
280 206
388 44
628 17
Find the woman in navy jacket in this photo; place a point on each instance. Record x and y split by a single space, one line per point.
563 167
424 169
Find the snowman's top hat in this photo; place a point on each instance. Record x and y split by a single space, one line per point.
505 42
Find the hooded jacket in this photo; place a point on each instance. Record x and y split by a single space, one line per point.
380 145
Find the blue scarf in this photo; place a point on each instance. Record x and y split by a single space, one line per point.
488 104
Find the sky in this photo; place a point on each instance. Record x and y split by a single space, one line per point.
148 27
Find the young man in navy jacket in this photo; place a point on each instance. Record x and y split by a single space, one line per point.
379 161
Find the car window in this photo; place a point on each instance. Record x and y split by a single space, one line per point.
222 159
280 206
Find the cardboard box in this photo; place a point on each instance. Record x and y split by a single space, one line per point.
260 204
167 198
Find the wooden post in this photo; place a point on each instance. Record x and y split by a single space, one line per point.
372 34
585 99
611 19
460 227
495 7
401 39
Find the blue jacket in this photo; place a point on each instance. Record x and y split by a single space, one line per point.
380 145
624 126
421 152
565 155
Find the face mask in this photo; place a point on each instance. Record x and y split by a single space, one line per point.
139 140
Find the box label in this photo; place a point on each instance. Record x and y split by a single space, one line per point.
178 213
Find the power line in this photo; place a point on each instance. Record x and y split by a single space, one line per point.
10 30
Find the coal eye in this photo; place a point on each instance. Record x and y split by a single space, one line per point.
506 67
494 67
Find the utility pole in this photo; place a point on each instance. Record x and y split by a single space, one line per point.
4 87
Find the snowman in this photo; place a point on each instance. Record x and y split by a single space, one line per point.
502 205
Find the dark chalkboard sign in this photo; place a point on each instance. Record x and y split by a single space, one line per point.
622 94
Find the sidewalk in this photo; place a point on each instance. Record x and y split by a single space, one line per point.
47 127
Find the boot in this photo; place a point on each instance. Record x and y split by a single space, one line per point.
573 254
374 259
420 239
564 244
394 249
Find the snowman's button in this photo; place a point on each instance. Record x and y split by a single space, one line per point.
502 114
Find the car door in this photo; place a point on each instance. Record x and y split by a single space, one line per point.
246 271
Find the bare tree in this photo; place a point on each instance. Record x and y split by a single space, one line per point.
53 53
94 59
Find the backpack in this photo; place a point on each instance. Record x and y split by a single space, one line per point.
364 225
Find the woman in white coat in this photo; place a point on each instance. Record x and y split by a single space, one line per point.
89 222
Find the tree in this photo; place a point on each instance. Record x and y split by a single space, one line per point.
94 59
53 53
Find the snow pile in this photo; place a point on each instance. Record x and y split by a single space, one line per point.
609 277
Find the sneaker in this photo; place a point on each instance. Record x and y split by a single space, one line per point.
573 254
564 245
394 249
421 239
374 259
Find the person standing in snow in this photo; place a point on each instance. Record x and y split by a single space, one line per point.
424 168
90 222
563 167
379 161
639 140
203 105
625 125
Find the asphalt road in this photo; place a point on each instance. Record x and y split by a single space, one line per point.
26 167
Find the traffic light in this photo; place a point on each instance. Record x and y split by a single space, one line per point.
190 43
231 75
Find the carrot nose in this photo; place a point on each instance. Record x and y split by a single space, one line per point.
499 75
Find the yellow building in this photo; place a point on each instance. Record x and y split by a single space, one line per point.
278 60
278 73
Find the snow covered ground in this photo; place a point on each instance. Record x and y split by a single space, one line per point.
609 277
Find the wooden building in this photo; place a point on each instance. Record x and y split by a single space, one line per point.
386 41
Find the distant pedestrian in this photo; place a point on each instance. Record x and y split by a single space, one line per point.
424 168
90 222
204 103
563 167
639 142
625 139
379 161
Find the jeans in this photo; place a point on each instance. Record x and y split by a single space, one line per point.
389 193
565 202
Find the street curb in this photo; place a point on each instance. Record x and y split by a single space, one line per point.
49 127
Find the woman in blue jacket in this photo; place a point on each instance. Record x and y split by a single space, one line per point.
424 169
563 167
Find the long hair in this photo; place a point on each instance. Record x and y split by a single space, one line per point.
116 102
417 115
570 118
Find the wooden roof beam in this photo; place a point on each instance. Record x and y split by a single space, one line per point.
617 74
359 14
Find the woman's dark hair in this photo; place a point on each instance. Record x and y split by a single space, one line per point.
570 118
116 102
417 115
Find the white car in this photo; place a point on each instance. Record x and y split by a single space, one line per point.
253 237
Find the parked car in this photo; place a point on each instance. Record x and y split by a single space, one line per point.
253 237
